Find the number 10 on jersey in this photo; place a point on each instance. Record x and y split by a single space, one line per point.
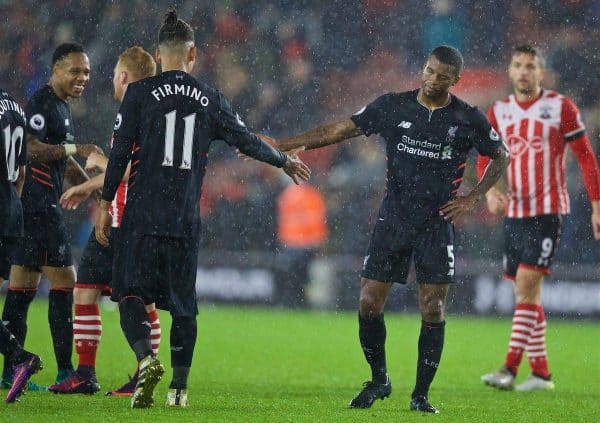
188 139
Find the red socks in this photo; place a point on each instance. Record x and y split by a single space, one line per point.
536 347
154 331
87 329
524 322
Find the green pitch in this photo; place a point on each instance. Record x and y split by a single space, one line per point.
254 364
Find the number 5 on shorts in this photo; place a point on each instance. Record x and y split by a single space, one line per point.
450 259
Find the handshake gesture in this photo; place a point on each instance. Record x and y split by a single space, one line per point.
293 167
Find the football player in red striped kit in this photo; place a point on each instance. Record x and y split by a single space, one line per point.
94 275
537 124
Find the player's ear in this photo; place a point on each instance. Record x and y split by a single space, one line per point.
456 79
56 67
157 54
192 54
123 77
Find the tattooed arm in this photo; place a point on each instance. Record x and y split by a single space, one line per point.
321 136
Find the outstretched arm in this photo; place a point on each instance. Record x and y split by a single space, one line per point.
321 136
74 196
74 173
41 152
464 204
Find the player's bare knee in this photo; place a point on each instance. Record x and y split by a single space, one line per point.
24 277
85 296
60 277
432 309
370 304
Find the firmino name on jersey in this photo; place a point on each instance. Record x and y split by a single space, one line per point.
9 105
179 89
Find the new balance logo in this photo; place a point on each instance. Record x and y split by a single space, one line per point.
404 124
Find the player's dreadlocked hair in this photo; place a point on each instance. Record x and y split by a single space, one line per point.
174 30
529 49
449 56
64 50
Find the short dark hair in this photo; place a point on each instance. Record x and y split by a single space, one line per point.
175 30
529 49
449 56
64 50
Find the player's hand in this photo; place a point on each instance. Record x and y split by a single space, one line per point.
596 225
496 201
457 207
74 196
103 223
96 161
296 169
84 150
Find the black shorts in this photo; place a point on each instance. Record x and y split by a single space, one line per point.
45 243
394 243
96 264
7 246
158 269
530 242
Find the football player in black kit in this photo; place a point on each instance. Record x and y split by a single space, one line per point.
12 176
45 244
428 134
169 121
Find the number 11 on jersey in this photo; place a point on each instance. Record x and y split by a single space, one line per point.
188 139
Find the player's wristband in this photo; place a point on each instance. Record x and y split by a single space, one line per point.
70 149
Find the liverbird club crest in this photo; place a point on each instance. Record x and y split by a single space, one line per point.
451 133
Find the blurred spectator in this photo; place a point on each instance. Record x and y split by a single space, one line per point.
446 25
288 65
301 231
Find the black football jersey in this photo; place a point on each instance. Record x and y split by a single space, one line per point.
14 154
426 150
49 120
165 126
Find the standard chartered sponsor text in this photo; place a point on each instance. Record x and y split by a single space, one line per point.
419 148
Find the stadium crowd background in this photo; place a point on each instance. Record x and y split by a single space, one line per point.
290 65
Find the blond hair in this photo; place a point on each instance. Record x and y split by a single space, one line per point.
138 62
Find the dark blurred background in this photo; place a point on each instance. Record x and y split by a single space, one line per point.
290 65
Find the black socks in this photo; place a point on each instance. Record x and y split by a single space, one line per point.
60 318
135 325
431 343
183 340
372 336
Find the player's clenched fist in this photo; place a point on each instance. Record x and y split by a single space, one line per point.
103 223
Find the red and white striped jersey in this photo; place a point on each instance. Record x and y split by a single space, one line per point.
117 207
536 134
